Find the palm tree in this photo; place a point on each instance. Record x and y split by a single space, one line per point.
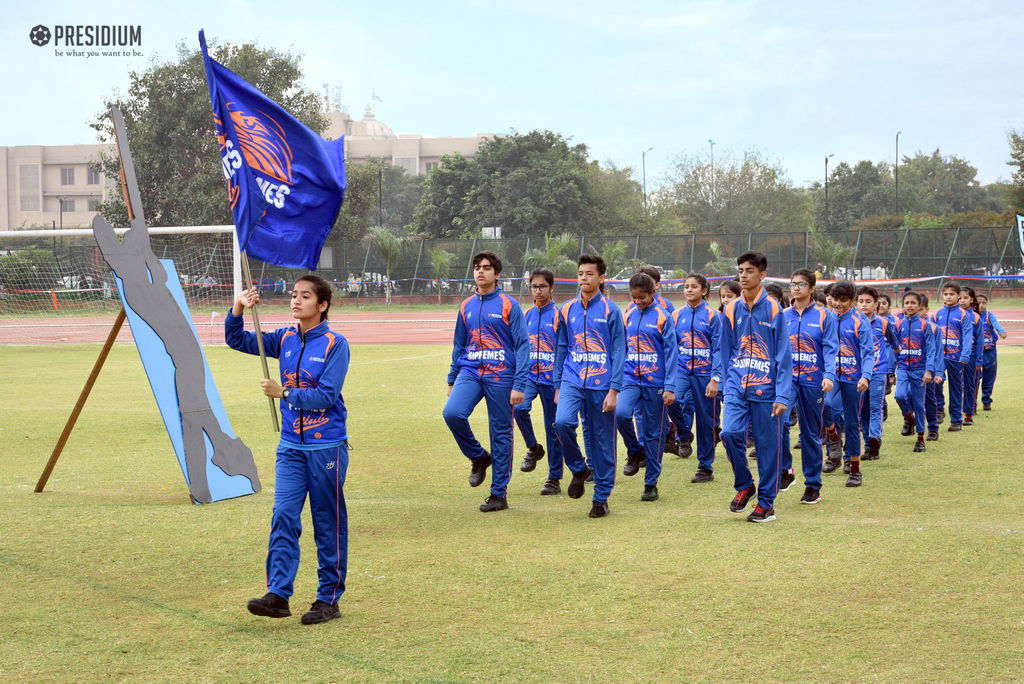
829 252
441 263
721 265
391 248
556 255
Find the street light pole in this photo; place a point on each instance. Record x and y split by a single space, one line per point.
827 225
61 201
712 173
898 171
643 162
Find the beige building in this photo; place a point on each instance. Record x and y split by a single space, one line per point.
37 179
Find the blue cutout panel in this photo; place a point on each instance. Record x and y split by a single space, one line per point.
160 371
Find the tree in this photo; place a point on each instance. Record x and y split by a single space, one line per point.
829 252
721 265
391 248
1015 193
174 145
557 255
441 265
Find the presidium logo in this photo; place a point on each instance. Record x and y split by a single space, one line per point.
100 38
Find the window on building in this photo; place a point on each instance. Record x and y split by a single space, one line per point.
67 205
431 166
67 176
28 187
92 176
94 204
410 164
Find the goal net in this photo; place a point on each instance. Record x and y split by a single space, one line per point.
55 286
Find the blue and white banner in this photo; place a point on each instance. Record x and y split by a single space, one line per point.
1020 232
285 183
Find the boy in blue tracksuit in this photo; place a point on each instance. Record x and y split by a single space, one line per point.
540 325
938 367
957 330
885 344
758 360
312 457
990 364
490 360
919 368
972 371
814 338
649 382
589 362
698 329
885 310
855 367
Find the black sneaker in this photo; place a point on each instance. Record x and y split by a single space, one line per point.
942 416
855 479
908 427
954 427
320 611
919 447
986 407
650 493
576 487
968 421
493 503
834 448
271 606
846 467
786 478
933 436
590 474
811 496
832 464
750 442
531 458
797 446
742 498
632 466
874 444
686 448
551 487
885 408
761 514
671 446
599 510
478 470
703 475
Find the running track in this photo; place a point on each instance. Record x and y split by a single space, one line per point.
422 327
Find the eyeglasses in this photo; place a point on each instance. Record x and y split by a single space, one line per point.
799 285
539 287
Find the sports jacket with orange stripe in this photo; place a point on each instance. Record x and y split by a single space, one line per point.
856 348
957 329
650 348
313 366
591 352
698 330
755 351
491 342
919 347
814 338
540 325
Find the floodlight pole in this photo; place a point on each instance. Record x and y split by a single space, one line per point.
898 171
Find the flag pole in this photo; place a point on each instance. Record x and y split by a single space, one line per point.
259 340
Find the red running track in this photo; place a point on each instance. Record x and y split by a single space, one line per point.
423 327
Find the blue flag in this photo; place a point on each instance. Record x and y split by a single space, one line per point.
285 182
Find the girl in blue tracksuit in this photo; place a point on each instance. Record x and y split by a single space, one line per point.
885 344
957 329
698 328
649 382
758 361
933 390
920 365
885 310
312 457
490 360
589 362
855 367
990 364
814 336
972 372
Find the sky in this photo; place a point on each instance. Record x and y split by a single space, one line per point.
795 80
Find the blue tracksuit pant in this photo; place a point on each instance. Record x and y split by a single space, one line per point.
931 407
648 400
573 404
871 408
321 475
910 395
809 401
971 380
846 401
700 413
737 414
988 378
522 416
466 394
955 386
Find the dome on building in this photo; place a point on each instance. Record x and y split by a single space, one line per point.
370 127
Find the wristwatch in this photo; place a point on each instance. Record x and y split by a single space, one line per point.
716 378
285 393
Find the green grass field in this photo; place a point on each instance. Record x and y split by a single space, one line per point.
112 575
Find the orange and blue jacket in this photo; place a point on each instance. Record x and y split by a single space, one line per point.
650 348
491 343
591 350
856 347
698 329
755 351
313 365
814 338
919 346
957 330
540 326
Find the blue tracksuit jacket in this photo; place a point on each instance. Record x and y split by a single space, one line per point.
856 347
755 352
540 326
651 348
491 342
885 343
591 350
814 337
957 330
992 330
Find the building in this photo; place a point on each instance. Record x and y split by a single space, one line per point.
416 153
37 181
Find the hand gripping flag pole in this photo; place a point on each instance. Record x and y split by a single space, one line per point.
259 341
